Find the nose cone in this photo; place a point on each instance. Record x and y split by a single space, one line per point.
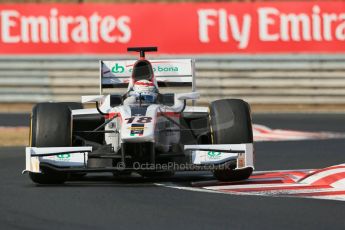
137 132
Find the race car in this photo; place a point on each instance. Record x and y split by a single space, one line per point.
141 130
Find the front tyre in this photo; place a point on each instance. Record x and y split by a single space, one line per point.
51 126
230 123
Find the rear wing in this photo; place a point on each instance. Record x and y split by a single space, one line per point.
170 72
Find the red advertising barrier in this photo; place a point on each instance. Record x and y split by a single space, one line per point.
179 28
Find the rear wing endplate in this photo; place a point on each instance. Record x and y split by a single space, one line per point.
169 72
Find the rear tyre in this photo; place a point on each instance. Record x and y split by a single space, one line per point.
230 123
51 126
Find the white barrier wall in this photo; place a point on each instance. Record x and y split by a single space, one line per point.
261 79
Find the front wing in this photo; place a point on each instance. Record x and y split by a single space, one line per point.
74 159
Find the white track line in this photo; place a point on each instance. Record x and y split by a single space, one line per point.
319 176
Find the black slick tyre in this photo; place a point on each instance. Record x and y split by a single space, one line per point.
51 126
230 123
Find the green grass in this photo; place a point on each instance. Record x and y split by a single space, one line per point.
14 136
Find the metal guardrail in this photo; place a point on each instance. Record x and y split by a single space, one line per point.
259 79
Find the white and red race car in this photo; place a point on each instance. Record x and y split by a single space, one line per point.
127 133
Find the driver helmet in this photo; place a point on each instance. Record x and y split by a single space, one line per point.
146 90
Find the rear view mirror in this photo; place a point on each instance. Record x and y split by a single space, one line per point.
188 96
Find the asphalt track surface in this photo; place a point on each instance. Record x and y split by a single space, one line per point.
14 119
136 203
